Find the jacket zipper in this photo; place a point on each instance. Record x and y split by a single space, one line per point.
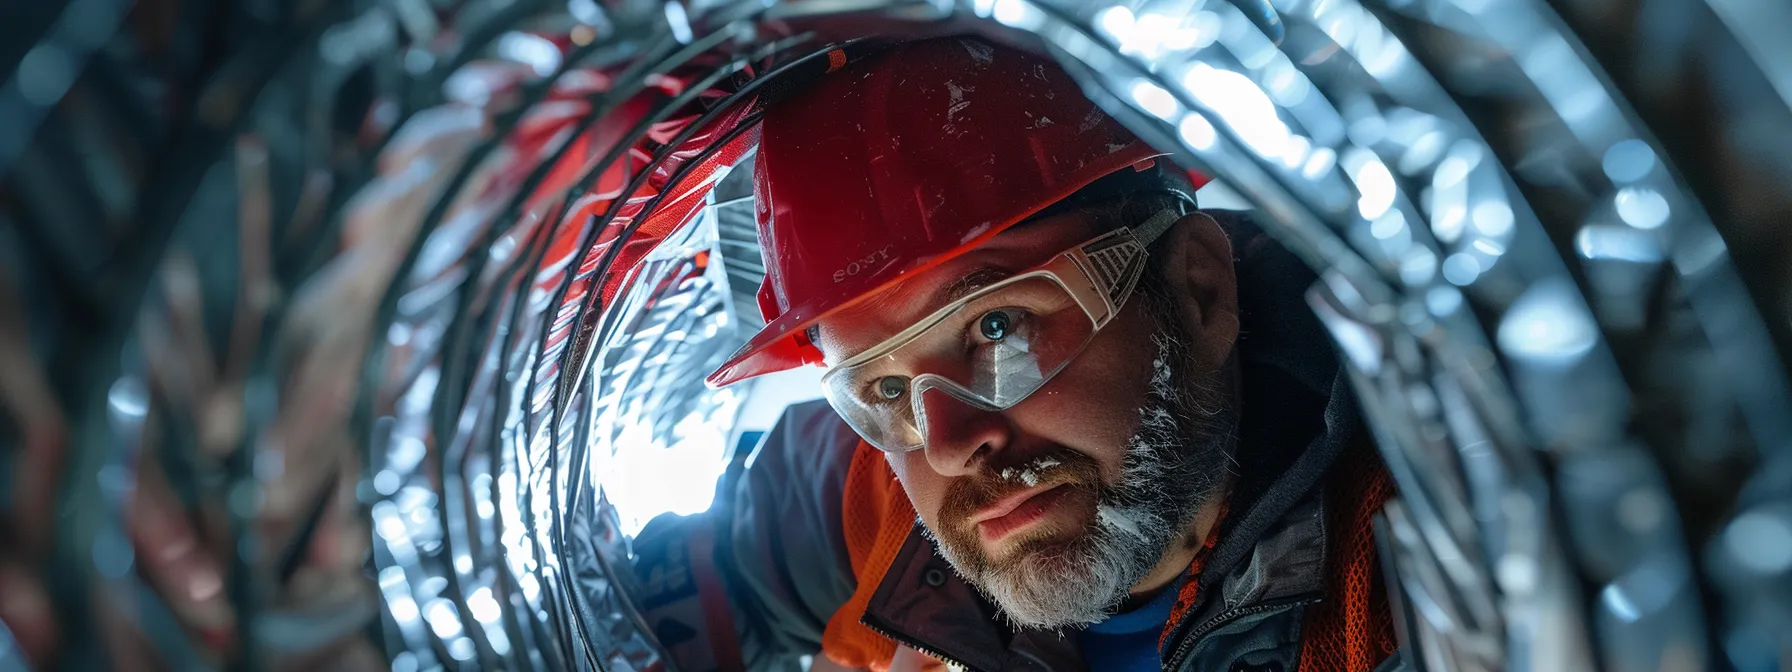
1188 642
911 643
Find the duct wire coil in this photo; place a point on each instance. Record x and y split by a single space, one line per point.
373 303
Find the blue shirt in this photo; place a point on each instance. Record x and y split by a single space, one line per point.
1127 642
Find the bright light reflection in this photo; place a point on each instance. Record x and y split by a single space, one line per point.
1368 130
442 618
433 585
127 398
386 520
1493 218
1285 83
1117 21
500 641
1618 604
1462 268
1398 242
1389 226
387 482
1242 105
1448 223
679 22
1154 99
1463 158
1443 301
1547 325
1628 161
1154 33
402 608
484 606
1418 267
1296 152
1450 173
1621 243
406 453
1197 132
1373 181
1207 25
645 480
1171 33
532 50
1017 13
1319 163
1377 50
1642 208
1761 541
462 649
1422 152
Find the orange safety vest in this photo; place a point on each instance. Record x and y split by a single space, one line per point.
876 518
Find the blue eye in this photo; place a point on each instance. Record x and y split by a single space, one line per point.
891 387
994 325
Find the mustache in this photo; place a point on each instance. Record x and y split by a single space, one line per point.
965 497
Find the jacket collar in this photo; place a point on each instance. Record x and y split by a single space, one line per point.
1296 416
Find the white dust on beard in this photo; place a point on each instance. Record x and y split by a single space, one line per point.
1029 475
1134 523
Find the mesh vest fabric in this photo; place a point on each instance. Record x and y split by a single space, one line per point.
876 518
1351 631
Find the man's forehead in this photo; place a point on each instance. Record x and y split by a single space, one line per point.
867 323
863 325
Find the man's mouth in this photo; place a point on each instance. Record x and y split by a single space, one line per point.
1017 511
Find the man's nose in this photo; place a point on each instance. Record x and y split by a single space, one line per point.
960 438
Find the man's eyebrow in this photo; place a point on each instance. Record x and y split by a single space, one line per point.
971 282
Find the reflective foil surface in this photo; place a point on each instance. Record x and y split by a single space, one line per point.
364 335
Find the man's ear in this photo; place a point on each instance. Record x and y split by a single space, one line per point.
1197 270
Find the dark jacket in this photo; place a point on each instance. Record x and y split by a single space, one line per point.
782 570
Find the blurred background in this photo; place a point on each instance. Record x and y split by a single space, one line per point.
367 334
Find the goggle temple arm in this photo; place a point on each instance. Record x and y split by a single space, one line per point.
1149 231
1114 263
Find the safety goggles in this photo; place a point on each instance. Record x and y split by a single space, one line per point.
996 346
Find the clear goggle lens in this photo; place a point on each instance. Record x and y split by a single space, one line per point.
991 349
990 353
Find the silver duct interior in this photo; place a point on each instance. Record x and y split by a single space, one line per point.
282 271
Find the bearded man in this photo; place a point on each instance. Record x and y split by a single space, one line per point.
1071 421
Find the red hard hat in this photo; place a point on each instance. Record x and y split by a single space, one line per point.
898 163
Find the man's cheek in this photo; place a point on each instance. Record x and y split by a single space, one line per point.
1093 405
1087 416
924 488
903 464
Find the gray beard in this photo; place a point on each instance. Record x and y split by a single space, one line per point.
1176 463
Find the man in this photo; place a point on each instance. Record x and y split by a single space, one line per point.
1112 415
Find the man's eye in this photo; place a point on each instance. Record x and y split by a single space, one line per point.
995 324
890 387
